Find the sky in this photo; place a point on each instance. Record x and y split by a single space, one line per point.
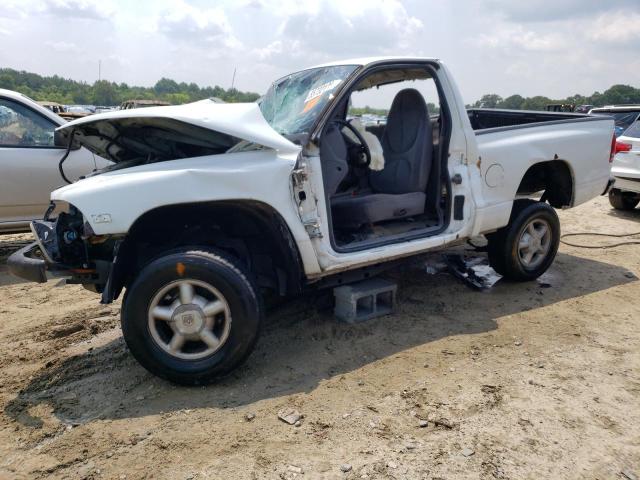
554 48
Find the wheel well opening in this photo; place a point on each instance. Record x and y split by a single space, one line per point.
252 232
553 178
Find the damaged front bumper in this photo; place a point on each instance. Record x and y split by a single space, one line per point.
29 263
43 257
33 261
25 264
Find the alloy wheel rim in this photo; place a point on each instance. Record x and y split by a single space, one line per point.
534 243
189 319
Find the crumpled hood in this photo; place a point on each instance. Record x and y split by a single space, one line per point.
124 134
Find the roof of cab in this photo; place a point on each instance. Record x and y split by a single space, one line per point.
370 60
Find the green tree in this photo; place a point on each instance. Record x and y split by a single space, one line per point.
166 85
514 102
7 81
536 103
490 100
177 98
82 95
105 93
620 94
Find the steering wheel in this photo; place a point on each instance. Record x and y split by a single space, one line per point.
364 148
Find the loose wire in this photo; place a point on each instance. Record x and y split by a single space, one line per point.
66 154
620 244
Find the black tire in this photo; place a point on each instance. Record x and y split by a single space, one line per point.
208 268
623 200
503 246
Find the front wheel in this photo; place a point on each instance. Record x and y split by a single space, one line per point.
526 247
623 200
191 316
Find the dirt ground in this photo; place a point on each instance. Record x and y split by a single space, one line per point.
523 381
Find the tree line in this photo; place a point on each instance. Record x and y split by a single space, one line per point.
367 110
104 92
616 95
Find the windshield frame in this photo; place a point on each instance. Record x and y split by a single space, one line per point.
301 136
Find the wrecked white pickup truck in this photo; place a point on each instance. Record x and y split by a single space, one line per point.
208 207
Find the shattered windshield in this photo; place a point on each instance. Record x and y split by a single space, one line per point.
293 103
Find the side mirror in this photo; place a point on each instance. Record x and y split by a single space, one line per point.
62 141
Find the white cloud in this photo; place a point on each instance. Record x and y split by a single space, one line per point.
14 9
357 27
188 24
516 37
63 46
257 4
553 11
311 32
619 28
118 60
84 9
67 9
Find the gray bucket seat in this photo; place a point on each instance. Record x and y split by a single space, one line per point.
398 190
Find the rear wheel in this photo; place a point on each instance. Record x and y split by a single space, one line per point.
623 200
191 316
526 247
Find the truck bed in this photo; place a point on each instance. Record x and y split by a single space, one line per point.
510 142
486 119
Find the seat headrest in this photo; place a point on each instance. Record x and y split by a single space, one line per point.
406 118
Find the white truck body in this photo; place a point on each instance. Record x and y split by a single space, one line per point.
210 208
491 162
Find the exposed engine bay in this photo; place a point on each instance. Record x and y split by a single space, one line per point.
138 141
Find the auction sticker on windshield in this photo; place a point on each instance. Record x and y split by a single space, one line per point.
314 94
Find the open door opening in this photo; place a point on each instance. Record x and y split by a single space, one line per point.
384 159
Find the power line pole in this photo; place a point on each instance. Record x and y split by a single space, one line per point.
233 80
99 69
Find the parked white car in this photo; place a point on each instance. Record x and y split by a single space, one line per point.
625 195
29 160
209 207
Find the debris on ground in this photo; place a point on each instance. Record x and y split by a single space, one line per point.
475 272
442 422
290 416
295 469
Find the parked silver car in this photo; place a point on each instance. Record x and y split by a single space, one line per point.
29 160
